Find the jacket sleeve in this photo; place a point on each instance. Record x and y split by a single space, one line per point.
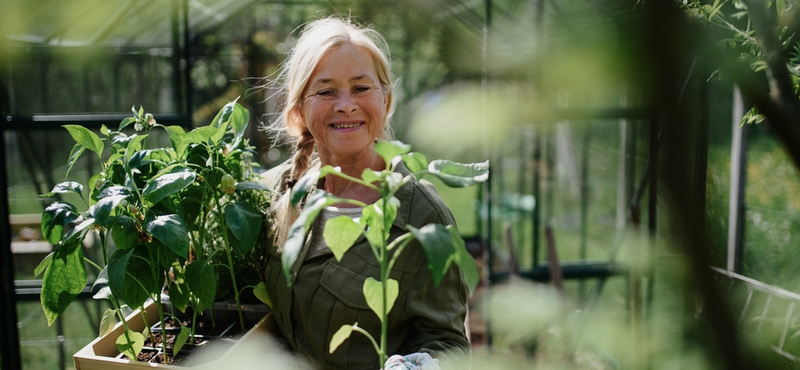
437 312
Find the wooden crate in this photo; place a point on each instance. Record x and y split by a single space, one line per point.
102 353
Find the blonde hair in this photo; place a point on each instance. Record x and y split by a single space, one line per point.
314 41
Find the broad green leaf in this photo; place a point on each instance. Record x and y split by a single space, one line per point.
134 145
120 142
297 232
459 174
200 135
220 133
372 221
100 280
77 233
42 266
780 6
103 208
131 344
141 158
124 232
224 113
114 190
373 293
108 321
162 186
104 129
74 154
340 336
126 122
395 180
247 185
130 276
178 290
303 185
238 122
438 245
328 169
464 261
370 176
390 149
390 212
245 222
181 339
181 141
176 139
179 296
415 162
64 188
54 218
63 280
202 282
86 138
260 291
170 230
103 293
340 233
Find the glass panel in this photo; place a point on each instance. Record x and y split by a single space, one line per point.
44 347
82 79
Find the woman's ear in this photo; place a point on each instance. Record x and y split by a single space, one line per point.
387 102
295 122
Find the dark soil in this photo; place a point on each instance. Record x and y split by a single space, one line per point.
205 331
147 355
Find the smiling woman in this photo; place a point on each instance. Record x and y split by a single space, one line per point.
337 86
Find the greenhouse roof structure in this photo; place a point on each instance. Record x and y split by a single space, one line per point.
109 23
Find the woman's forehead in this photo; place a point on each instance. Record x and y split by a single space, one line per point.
345 63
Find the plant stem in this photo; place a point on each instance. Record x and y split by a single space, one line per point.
228 252
103 242
117 308
158 300
380 352
194 322
384 284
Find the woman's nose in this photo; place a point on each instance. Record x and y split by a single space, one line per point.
345 103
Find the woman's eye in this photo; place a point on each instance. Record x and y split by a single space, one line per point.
326 93
361 89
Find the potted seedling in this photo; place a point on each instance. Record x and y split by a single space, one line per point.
178 217
441 244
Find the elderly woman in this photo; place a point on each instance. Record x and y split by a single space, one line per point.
337 87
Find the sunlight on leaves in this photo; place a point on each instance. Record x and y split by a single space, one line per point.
133 347
340 233
373 293
340 336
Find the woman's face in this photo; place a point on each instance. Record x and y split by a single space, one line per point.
344 106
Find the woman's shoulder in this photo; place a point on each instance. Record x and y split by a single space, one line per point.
425 204
275 176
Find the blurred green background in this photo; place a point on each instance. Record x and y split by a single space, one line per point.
558 95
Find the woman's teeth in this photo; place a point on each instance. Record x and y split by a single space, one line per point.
347 125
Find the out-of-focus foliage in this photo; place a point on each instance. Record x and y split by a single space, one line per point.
733 24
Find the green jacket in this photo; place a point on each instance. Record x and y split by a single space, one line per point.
327 294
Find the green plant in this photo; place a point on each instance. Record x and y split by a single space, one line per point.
441 244
175 214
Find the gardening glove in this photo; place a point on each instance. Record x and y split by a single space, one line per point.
414 361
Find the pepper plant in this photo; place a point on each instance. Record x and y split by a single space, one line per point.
441 244
175 214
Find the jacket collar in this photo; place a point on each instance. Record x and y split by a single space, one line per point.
404 194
